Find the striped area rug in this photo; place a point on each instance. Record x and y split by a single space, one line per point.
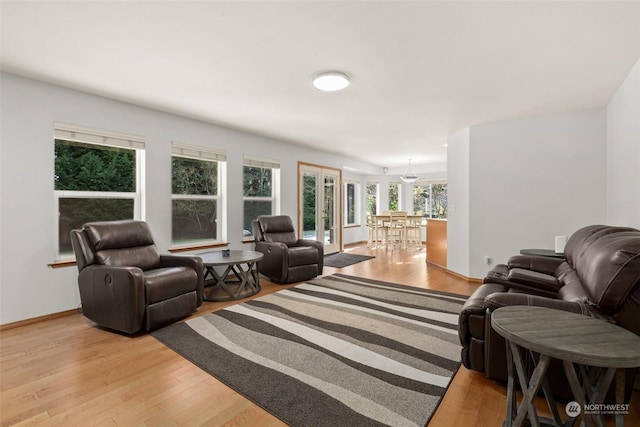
334 351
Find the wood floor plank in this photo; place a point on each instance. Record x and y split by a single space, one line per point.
66 371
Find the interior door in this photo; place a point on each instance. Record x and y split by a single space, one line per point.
319 215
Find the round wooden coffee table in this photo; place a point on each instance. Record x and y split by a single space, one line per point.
239 279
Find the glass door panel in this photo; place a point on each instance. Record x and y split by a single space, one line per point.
309 205
319 202
330 212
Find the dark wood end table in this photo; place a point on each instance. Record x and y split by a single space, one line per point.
574 339
240 278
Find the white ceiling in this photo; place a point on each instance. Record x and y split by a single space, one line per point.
420 69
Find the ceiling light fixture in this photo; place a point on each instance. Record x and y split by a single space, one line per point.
409 174
331 81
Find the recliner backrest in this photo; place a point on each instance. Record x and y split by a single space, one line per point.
607 261
278 228
122 243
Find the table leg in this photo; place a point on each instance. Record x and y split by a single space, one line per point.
598 395
529 391
548 393
620 378
511 390
243 278
527 408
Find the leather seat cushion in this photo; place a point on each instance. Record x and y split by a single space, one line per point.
302 255
164 283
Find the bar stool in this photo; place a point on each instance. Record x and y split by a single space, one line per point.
397 231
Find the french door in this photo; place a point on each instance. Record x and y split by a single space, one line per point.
319 212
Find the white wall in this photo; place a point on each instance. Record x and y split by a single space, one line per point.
28 288
623 153
458 198
529 181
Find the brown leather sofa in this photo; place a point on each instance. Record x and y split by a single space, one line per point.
599 277
126 285
287 259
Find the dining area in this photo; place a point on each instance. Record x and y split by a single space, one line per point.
395 230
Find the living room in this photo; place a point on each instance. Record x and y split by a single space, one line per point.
513 183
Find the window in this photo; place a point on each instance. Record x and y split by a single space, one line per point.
394 196
430 198
196 201
351 202
372 197
261 186
97 177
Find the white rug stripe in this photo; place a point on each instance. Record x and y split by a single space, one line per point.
354 401
365 310
345 348
427 314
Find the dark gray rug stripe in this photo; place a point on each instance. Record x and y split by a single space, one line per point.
253 350
294 402
445 296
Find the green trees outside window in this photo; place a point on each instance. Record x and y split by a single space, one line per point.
372 197
90 167
394 196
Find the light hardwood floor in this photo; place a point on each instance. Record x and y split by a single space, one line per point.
67 371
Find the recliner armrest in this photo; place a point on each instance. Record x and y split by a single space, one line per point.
319 246
474 307
113 296
275 262
545 265
187 261
503 299
534 279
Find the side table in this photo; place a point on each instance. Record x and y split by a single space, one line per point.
574 339
239 279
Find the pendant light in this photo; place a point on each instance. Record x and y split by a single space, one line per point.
409 174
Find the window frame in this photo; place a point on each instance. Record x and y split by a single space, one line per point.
204 154
428 212
101 138
357 220
398 184
274 166
377 196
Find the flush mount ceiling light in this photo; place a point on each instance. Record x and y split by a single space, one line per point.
409 174
331 81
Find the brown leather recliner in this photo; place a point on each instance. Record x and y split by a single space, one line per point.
126 285
287 259
600 277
